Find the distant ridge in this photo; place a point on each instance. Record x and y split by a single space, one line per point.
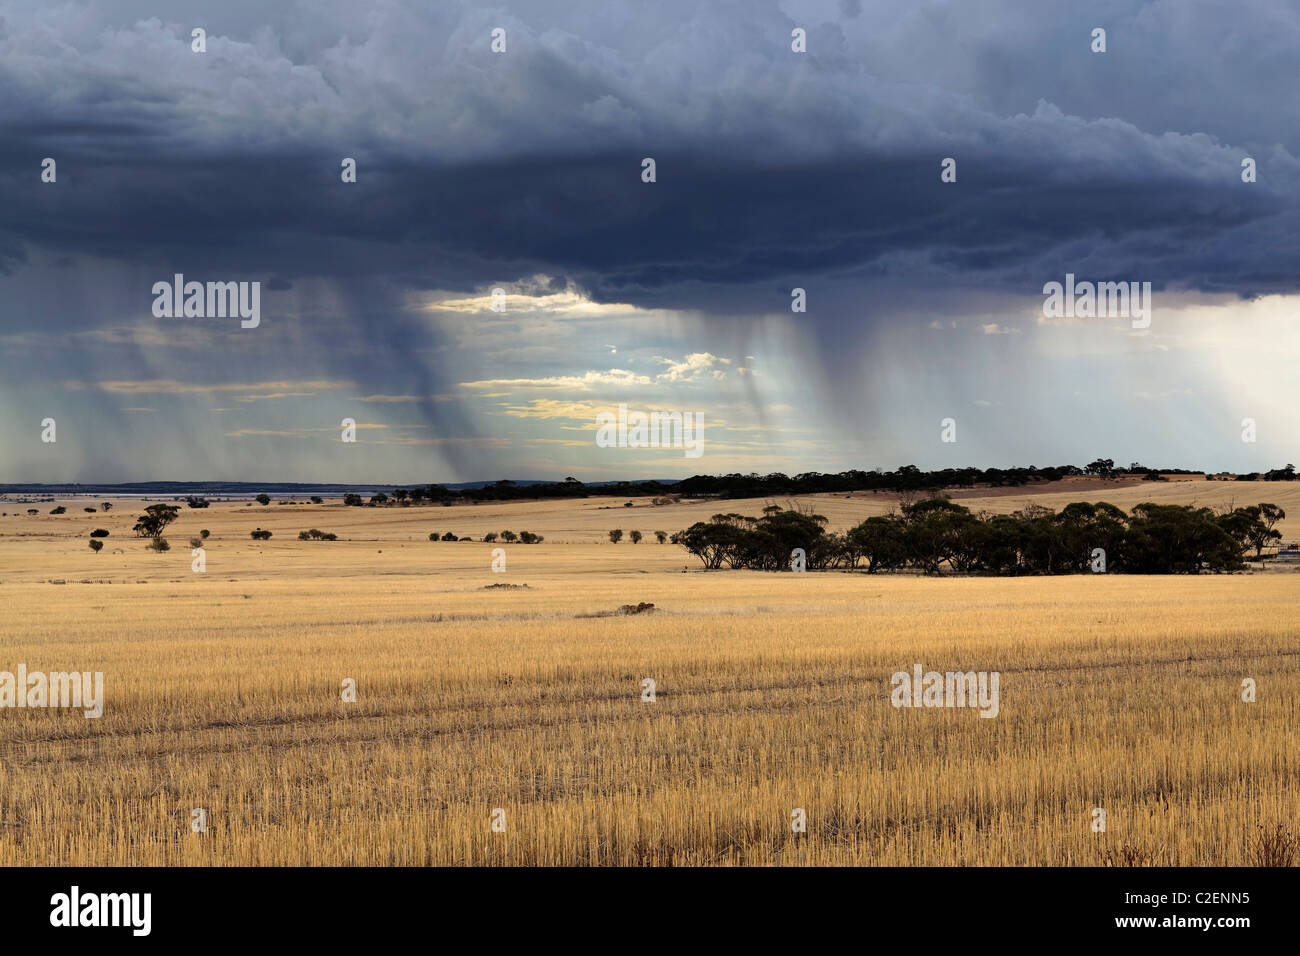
906 479
250 488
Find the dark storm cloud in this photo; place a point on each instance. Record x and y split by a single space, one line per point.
712 219
770 165
774 169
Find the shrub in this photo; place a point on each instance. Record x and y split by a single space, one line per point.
662 536
449 537
158 544
263 499
204 533
433 536
259 535
96 544
490 537
89 510
33 511
352 500
636 537
106 506
615 537
99 533
508 536
1276 847
315 534
58 511
196 542
194 501
317 499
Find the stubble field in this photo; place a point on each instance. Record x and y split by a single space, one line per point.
772 694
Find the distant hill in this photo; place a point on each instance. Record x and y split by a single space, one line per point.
907 478
234 489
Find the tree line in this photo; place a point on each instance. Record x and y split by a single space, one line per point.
904 479
935 534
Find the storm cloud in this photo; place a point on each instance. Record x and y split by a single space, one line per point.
770 163
774 169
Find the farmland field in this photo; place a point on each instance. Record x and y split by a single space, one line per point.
772 693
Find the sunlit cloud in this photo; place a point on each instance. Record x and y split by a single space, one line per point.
584 382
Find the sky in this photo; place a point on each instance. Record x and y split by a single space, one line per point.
522 170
